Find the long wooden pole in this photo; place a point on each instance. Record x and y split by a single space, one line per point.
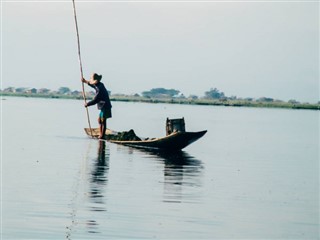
80 62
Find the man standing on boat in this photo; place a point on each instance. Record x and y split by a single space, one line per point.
101 99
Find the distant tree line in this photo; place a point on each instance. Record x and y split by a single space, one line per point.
212 94
160 92
154 93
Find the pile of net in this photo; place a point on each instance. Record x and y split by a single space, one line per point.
124 136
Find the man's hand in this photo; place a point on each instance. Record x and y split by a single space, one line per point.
83 80
86 105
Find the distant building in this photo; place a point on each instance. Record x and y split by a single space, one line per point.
265 99
9 90
179 95
292 101
233 98
223 99
194 97
76 93
43 90
90 94
31 91
21 90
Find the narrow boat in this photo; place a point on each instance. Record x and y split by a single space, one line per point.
176 139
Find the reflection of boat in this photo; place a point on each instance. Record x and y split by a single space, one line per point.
182 175
177 159
177 138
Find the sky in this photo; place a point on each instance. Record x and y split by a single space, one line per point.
243 48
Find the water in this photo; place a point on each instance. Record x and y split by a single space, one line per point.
254 175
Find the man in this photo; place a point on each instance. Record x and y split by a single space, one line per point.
101 99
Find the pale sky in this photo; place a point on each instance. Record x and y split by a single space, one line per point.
243 48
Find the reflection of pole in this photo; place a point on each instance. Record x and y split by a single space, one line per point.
80 62
75 198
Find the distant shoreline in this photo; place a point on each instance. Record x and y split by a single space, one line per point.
208 102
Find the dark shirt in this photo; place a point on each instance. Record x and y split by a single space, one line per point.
101 98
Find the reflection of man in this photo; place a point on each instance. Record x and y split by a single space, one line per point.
102 153
98 180
99 171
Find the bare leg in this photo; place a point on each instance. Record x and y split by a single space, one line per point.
102 126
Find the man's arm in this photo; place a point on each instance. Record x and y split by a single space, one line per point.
89 82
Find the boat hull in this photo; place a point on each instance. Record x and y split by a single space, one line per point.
173 142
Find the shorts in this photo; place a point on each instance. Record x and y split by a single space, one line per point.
105 113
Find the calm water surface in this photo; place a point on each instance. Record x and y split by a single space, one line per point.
254 175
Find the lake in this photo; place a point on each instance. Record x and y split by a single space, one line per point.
254 175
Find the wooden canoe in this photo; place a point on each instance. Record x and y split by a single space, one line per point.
173 142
